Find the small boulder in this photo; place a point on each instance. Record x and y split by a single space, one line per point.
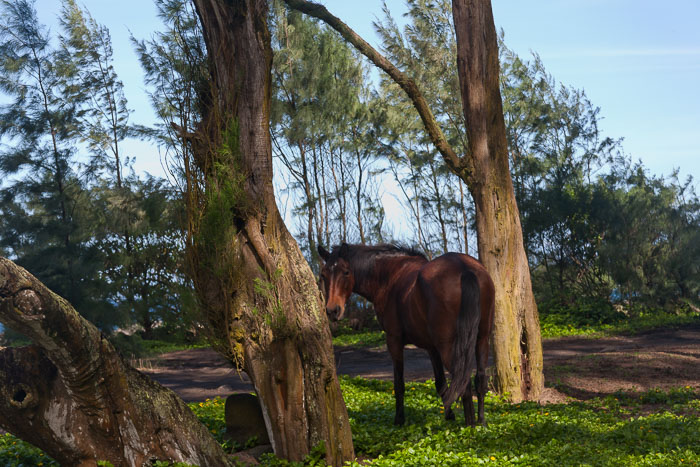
244 420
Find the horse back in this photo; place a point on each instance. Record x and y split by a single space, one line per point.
439 295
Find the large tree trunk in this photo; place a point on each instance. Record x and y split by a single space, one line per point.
73 396
257 289
517 341
516 334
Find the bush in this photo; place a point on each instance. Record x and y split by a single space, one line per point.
16 453
134 346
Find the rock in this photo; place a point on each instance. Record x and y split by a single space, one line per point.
244 420
251 456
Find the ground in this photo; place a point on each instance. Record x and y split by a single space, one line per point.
575 367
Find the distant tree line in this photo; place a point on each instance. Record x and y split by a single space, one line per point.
598 228
72 210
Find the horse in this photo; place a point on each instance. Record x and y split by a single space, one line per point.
445 306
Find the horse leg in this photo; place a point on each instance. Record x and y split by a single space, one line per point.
468 404
396 351
480 380
440 381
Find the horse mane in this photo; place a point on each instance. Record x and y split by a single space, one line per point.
392 249
362 258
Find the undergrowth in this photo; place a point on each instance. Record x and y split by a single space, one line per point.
360 339
597 432
562 322
655 428
134 346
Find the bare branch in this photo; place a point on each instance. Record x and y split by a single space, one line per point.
461 166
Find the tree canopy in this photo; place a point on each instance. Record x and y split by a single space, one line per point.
603 237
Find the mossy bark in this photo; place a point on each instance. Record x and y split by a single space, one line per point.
261 297
73 396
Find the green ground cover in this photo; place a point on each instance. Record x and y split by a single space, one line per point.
558 324
656 428
359 339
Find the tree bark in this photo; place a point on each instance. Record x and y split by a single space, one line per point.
516 335
257 290
74 397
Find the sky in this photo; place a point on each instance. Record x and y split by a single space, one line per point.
638 60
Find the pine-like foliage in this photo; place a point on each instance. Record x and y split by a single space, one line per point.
45 210
72 210
326 128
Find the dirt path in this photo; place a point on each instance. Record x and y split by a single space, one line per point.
585 368
575 366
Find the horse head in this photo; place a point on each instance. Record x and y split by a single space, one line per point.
337 280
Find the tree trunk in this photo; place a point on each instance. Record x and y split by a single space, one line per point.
74 397
465 217
438 206
516 337
255 286
358 196
310 203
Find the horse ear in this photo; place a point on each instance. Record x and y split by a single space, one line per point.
323 253
344 249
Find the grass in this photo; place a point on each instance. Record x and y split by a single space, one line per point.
555 325
656 428
606 431
360 339
16 453
560 325
211 414
135 347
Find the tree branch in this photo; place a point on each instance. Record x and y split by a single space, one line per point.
27 306
459 165
73 396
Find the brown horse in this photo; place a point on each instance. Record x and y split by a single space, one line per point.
444 306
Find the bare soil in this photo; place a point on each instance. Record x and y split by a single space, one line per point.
575 367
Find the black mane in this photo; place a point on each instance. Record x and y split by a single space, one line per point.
362 258
374 251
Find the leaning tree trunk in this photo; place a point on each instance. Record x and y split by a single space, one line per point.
73 396
516 336
257 290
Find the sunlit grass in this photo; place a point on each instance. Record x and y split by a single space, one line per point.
555 325
360 339
16 453
561 325
655 428
598 432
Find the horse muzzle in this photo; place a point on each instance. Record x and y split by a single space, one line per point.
335 313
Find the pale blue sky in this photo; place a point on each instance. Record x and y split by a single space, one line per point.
638 60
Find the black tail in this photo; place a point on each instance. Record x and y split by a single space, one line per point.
463 352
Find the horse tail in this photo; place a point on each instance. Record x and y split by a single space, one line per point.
463 351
